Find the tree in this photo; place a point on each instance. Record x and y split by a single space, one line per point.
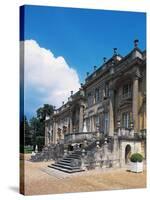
44 111
34 129
27 134
33 132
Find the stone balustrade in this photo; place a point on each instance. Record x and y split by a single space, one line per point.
78 137
125 133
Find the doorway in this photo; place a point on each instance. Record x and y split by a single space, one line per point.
127 153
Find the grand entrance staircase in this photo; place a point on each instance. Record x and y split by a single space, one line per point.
70 163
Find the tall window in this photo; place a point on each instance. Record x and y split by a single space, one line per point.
101 122
106 94
96 123
126 120
97 95
100 94
88 124
126 91
89 99
106 122
97 119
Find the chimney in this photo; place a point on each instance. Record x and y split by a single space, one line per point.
87 73
62 102
71 92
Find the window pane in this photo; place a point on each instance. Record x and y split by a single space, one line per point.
126 120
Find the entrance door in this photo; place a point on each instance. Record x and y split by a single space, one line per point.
127 153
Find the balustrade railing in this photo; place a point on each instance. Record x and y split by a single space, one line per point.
78 137
130 134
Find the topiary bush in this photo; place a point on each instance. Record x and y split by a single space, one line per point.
136 157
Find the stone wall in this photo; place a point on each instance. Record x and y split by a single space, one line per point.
136 147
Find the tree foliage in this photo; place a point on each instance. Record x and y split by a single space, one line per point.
44 111
34 129
27 134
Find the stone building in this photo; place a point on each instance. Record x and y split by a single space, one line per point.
111 104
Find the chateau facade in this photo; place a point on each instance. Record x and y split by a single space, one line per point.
110 104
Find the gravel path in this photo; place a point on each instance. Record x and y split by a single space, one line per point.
39 179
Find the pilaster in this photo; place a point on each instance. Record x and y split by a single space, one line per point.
135 102
111 113
81 119
46 133
70 123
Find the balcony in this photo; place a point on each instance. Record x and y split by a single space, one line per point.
78 137
124 133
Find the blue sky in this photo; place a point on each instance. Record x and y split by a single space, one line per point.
82 36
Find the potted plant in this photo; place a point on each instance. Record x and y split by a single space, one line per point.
136 164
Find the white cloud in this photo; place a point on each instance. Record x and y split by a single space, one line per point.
48 79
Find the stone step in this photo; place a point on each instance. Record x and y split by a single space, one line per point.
68 159
65 166
64 163
66 170
74 157
77 154
74 154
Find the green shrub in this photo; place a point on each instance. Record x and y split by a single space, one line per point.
26 149
136 157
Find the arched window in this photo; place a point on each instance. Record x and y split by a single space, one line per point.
127 153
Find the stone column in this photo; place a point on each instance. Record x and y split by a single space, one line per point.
55 132
81 119
135 102
115 156
111 113
70 123
92 123
46 133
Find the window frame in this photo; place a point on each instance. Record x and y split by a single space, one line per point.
126 119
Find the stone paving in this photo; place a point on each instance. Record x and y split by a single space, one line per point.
39 179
